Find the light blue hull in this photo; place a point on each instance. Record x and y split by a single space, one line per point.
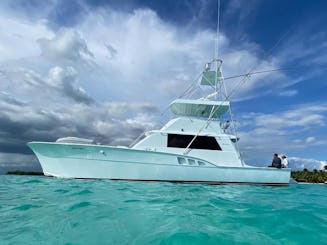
105 162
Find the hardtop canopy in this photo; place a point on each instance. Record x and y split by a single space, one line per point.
199 108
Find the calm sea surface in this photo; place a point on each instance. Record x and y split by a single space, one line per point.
41 210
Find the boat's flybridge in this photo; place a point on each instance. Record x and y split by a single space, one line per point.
197 131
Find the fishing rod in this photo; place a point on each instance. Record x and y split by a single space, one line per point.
248 74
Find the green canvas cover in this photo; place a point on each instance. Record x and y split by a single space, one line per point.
209 78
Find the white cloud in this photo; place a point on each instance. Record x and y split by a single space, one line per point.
111 50
63 79
142 119
20 81
288 93
24 82
148 55
106 120
304 51
310 139
296 163
66 46
18 37
286 131
141 52
303 116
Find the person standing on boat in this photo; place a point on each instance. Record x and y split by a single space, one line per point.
276 162
284 161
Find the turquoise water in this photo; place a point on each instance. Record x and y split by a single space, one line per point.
40 210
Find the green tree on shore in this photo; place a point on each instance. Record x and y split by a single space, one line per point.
311 177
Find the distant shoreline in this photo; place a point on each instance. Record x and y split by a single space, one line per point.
312 177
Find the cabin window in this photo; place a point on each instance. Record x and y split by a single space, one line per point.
200 142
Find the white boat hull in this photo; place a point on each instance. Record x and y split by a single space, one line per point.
105 162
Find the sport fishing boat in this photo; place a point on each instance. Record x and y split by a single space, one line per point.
196 146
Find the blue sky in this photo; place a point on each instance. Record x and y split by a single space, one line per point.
108 69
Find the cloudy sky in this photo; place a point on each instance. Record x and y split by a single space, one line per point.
107 70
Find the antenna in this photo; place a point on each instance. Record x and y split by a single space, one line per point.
218 62
217 34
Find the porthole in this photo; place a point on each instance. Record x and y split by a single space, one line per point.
181 160
191 162
201 163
